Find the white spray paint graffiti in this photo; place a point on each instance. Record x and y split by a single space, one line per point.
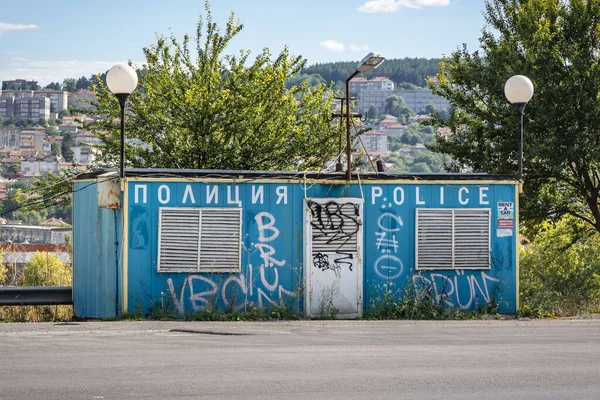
267 233
202 292
200 300
388 266
461 290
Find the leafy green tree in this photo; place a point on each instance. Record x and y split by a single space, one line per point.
373 112
313 80
407 86
70 85
24 122
12 202
67 142
396 106
410 73
52 129
555 44
56 149
430 109
53 86
10 121
411 138
82 83
420 167
29 217
560 270
444 114
13 169
433 160
210 110
393 144
53 191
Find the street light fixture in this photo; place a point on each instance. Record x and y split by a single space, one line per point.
371 61
519 90
121 81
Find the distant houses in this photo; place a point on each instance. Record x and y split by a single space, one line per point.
48 104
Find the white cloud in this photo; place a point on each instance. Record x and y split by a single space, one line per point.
332 45
4 27
52 71
338 47
374 6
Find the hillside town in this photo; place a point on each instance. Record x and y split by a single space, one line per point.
38 135
41 132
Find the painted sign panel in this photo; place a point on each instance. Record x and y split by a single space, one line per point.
506 215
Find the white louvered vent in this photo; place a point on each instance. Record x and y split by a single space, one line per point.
334 227
199 239
220 243
452 238
178 239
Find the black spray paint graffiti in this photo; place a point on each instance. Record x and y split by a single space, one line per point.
335 226
322 262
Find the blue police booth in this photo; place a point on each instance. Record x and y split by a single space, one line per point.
237 239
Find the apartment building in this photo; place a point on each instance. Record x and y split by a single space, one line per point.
59 99
32 140
32 108
374 142
7 107
357 85
9 137
19 84
16 93
416 100
34 166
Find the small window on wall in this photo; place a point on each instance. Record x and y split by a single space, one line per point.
199 239
452 238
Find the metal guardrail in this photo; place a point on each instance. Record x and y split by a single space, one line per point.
36 295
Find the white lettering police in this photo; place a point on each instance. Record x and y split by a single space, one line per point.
474 196
211 194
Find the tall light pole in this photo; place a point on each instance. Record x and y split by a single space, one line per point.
121 81
371 61
519 90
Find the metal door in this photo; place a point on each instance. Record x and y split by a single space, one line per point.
333 257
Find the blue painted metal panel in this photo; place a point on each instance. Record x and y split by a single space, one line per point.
272 263
271 248
390 243
95 232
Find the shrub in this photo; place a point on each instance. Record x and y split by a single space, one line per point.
560 271
44 269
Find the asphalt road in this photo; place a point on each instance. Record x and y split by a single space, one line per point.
557 359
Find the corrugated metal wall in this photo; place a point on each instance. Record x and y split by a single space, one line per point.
273 229
271 247
272 253
95 231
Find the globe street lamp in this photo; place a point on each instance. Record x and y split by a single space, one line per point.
519 90
371 61
121 81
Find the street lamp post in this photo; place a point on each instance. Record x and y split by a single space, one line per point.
519 90
121 81
371 61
